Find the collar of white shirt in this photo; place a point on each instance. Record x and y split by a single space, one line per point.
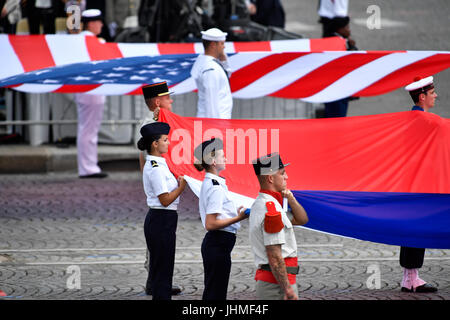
216 177
161 160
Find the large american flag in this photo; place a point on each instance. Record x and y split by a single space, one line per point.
279 71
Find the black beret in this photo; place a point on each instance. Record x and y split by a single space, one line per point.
153 129
268 164
207 147
155 90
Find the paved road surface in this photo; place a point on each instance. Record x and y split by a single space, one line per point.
49 222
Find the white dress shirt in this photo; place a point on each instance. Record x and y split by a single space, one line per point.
157 180
214 93
333 8
214 198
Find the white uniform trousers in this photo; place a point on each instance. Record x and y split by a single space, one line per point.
89 122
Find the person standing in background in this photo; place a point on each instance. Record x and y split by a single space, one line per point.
330 9
41 11
340 27
90 111
267 12
211 72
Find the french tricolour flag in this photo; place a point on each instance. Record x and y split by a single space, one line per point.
382 178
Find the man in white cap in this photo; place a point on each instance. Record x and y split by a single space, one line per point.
211 72
422 92
90 111
411 259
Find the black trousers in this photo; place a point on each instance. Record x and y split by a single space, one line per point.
411 258
160 234
216 253
37 16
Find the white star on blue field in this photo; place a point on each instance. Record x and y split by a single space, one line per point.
133 70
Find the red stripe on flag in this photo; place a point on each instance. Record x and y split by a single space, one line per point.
328 44
405 75
252 72
175 48
102 51
252 46
32 51
76 88
137 91
322 77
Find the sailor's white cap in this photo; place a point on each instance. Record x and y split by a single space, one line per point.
91 14
419 83
214 34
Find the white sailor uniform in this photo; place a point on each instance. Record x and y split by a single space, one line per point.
214 93
90 113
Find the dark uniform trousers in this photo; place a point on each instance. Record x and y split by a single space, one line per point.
411 258
160 234
216 253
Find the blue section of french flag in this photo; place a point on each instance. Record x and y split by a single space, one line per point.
420 220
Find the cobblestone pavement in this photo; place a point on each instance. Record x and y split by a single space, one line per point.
52 224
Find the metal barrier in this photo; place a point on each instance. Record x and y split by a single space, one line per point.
48 117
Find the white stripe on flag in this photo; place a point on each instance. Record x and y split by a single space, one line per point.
7 54
366 75
67 49
114 89
283 76
229 47
291 45
138 49
185 86
240 60
238 199
37 87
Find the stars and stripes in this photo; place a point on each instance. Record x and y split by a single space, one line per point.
310 76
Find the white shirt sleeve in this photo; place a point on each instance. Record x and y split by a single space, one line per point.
158 181
274 238
214 200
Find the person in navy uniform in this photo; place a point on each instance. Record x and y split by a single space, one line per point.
90 111
219 217
211 73
157 96
424 95
162 190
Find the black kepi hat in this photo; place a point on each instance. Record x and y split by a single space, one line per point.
269 164
153 129
155 90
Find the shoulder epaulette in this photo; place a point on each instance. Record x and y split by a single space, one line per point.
207 70
273 222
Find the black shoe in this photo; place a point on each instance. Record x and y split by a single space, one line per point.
425 288
95 175
176 290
